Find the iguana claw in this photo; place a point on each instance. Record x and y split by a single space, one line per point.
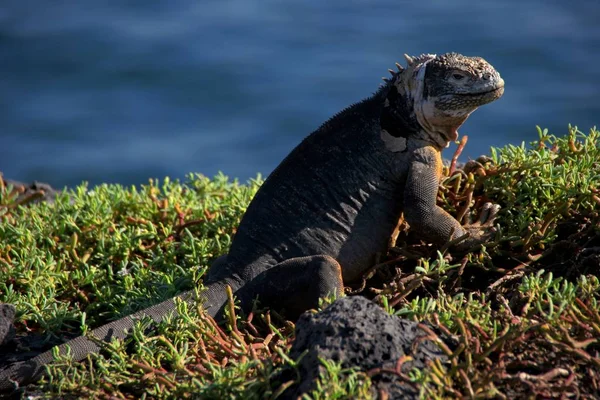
483 229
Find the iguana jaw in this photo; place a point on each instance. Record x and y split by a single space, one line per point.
436 117
438 124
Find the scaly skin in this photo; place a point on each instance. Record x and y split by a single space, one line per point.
333 203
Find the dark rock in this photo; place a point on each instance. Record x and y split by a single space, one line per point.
358 333
32 193
7 317
17 347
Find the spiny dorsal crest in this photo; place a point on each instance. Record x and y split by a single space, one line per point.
412 63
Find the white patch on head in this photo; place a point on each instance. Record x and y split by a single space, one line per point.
425 109
411 84
414 78
393 144
421 74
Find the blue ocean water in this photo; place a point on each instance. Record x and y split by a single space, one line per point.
124 91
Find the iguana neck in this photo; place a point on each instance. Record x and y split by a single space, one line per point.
402 113
399 122
397 115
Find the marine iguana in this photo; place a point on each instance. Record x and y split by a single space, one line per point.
320 217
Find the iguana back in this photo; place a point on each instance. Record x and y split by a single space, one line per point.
335 194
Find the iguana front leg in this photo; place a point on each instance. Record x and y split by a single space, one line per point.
426 217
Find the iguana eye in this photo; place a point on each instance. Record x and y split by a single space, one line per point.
458 77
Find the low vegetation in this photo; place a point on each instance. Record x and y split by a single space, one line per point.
525 308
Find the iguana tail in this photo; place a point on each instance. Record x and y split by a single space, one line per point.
25 372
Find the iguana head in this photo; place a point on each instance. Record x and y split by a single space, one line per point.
433 96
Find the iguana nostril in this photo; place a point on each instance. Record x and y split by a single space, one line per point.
486 76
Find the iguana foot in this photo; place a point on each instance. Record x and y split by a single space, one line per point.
477 166
295 285
482 230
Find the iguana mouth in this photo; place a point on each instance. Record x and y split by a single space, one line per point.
481 93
